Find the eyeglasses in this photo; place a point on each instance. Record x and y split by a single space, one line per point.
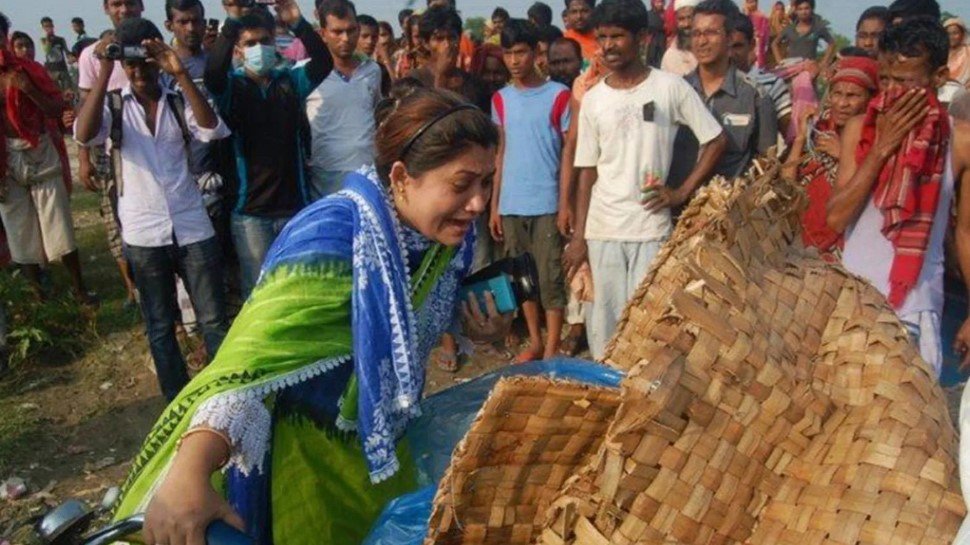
709 33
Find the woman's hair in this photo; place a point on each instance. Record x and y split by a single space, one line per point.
386 27
442 139
482 54
18 35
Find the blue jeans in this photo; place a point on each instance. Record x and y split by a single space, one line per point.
252 237
200 267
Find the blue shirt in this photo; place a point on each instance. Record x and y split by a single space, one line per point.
534 120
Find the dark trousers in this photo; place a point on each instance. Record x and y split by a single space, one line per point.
200 267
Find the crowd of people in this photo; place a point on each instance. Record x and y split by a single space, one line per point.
233 127
231 148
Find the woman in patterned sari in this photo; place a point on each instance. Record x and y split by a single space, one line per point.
292 433
815 153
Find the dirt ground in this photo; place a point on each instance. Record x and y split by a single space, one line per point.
70 428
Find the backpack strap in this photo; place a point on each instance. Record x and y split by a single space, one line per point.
115 106
176 102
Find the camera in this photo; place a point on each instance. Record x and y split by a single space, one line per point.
117 52
511 281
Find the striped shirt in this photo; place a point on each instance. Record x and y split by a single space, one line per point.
776 89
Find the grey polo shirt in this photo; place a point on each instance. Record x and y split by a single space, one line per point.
747 116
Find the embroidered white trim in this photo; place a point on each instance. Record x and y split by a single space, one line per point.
243 415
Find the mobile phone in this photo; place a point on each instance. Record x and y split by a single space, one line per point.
214 23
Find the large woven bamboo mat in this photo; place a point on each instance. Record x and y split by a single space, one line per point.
531 435
770 399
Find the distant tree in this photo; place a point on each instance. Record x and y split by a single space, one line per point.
476 26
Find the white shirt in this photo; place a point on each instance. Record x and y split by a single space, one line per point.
341 115
624 148
869 254
160 203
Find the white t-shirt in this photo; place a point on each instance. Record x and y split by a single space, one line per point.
341 115
615 138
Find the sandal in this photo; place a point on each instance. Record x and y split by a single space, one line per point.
528 355
447 361
573 344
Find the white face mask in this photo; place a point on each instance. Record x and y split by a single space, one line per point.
260 58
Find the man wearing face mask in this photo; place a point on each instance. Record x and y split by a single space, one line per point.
264 103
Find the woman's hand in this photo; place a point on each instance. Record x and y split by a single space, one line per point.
484 328
185 504
829 143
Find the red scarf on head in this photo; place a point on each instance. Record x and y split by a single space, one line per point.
25 118
908 189
817 173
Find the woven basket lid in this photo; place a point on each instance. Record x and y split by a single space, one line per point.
771 398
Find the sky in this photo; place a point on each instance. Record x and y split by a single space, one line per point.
25 14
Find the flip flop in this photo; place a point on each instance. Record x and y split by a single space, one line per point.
447 362
526 356
572 345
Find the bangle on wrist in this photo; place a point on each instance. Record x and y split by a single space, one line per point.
221 435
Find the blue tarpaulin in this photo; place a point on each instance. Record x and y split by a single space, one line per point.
446 417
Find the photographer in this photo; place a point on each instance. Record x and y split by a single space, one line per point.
165 228
264 103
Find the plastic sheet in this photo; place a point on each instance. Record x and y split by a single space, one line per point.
446 417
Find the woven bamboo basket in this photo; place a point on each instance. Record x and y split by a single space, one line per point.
531 435
770 398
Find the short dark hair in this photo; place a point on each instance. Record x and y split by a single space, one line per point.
134 31
402 16
874 12
81 45
629 15
549 34
367 20
742 23
46 19
519 31
906 9
501 13
340 9
182 5
726 8
77 21
18 35
590 3
4 24
571 43
917 37
540 13
253 20
811 3
439 18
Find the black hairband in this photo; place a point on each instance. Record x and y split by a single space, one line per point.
420 132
